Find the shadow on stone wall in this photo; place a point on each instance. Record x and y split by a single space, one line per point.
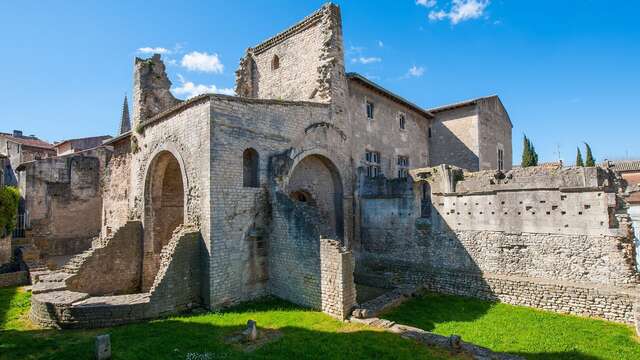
446 148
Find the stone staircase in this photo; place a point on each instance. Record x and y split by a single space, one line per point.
73 265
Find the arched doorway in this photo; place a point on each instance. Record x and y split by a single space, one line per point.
315 181
164 211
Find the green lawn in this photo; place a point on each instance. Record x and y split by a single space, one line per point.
519 330
305 334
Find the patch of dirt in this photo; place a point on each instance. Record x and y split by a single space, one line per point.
265 336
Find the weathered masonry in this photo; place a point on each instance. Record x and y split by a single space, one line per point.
552 238
313 179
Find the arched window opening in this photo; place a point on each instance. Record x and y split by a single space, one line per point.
303 197
402 120
275 63
250 166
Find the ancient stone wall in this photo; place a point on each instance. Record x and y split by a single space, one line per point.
113 269
305 268
454 138
304 62
16 278
240 215
63 197
542 237
116 184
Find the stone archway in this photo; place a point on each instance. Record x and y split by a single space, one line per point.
163 211
316 181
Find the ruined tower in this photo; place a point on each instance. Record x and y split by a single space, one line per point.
151 86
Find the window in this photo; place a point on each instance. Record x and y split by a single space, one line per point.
372 159
402 120
275 62
250 166
370 109
500 157
429 133
403 167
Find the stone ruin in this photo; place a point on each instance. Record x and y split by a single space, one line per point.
306 184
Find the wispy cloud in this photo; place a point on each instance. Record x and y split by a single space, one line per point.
189 89
461 10
366 60
427 3
415 71
380 44
202 61
153 50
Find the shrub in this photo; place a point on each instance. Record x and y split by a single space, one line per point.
9 199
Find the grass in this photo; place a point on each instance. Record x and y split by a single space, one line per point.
519 330
306 334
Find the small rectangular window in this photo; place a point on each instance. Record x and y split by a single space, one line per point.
429 133
500 159
370 110
402 120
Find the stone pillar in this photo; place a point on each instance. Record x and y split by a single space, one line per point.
634 213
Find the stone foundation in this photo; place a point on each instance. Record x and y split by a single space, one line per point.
14 279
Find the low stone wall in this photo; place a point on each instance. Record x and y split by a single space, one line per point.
303 267
614 304
14 279
177 288
112 269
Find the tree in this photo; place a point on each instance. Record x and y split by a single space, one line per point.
590 161
529 155
9 197
579 162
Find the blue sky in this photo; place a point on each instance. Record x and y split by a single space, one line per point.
567 71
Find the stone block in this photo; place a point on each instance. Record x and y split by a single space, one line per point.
103 347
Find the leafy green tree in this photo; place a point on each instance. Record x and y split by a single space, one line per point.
579 162
589 161
529 155
9 198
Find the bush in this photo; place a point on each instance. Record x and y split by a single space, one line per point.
9 199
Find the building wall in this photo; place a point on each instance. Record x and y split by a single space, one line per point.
583 264
494 131
455 138
633 178
186 135
116 188
240 216
63 196
383 133
311 61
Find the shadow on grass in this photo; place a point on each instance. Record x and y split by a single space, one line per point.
306 335
6 295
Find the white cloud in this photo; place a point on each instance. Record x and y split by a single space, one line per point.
461 10
416 71
201 61
380 43
152 50
366 60
427 3
190 89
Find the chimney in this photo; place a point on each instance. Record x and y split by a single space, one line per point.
17 133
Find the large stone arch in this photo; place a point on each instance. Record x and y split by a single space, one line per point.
316 180
165 208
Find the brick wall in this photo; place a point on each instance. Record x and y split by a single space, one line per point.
14 279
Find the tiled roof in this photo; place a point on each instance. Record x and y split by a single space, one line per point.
28 141
625 165
397 98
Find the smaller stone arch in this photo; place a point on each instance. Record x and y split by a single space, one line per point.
275 62
315 180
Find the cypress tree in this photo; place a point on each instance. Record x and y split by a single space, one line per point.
590 161
529 155
579 162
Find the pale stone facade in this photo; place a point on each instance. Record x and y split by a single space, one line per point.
302 181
